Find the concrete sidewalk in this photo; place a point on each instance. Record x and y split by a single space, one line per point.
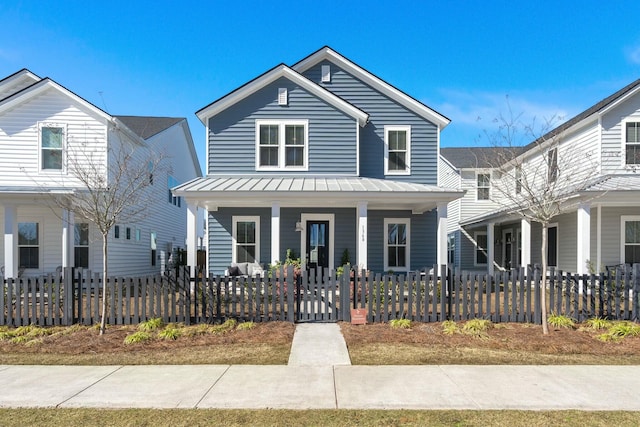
318 344
323 387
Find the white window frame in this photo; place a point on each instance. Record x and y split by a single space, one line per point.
78 245
39 223
553 170
478 248
282 152
623 220
390 128
63 126
623 138
385 234
325 73
234 229
478 173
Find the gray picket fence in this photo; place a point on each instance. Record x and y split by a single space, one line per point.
432 295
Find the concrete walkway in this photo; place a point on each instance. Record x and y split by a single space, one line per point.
320 376
328 387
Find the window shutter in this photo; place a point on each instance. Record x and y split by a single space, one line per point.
326 73
282 96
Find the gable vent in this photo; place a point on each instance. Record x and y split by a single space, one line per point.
326 74
282 96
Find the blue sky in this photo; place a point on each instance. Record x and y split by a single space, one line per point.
462 58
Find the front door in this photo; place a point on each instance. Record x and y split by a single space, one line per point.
317 244
508 249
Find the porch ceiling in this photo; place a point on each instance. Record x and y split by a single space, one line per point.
213 192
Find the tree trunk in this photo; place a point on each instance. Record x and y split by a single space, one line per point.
103 321
543 280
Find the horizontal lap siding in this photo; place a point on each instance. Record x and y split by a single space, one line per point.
384 111
332 134
613 154
611 232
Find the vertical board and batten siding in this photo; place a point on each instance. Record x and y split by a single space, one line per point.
220 233
613 150
332 133
19 146
384 111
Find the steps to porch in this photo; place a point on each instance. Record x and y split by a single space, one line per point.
318 344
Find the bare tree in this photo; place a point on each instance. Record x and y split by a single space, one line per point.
540 180
114 187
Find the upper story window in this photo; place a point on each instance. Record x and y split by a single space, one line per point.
552 161
51 146
483 186
174 200
282 144
397 150
632 143
518 177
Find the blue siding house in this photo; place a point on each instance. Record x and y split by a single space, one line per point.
320 157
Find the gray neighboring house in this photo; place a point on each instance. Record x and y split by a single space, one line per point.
322 157
601 229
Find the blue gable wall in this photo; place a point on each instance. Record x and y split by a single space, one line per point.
383 111
332 133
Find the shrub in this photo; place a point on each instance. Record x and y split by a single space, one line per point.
227 326
245 326
137 338
596 323
171 332
620 330
477 327
449 327
400 323
151 325
560 321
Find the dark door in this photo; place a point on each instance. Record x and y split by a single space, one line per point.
552 246
508 247
317 244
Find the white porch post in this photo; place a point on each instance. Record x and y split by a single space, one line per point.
10 241
525 244
362 236
192 236
275 232
441 249
490 247
68 238
584 237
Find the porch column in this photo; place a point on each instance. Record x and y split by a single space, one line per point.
441 246
192 237
10 241
362 236
68 238
275 232
490 247
584 237
525 244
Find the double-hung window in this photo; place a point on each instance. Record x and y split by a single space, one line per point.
632 142
397 150
481 248
28 245
51 146
483 186
246 239
552 161
397 244
630 251
81 245
282 144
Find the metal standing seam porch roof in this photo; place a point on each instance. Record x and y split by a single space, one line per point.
234 191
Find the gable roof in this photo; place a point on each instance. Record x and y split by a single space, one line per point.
270 76
146 127
374 81
25 76
478 157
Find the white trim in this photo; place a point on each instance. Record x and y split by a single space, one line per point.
373 81
303 236
271 76
325 75
476 248
283 96
442 254
623 141
41 244
599 237
362 235
234 229
583 238
478 173
525 244
387 129
275 232
46 125
407 222
623 220
357 149
281 144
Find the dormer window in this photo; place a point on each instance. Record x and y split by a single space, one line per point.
282 144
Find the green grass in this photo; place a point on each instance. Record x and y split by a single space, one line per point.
270 417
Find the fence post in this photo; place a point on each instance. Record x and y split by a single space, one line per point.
345 296
68 303
636 292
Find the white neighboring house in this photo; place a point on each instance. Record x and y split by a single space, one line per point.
600 228
41 124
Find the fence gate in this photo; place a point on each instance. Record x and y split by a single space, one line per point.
317 297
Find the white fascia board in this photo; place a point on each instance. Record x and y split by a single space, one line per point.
620 100
273 75
9 81
376 82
